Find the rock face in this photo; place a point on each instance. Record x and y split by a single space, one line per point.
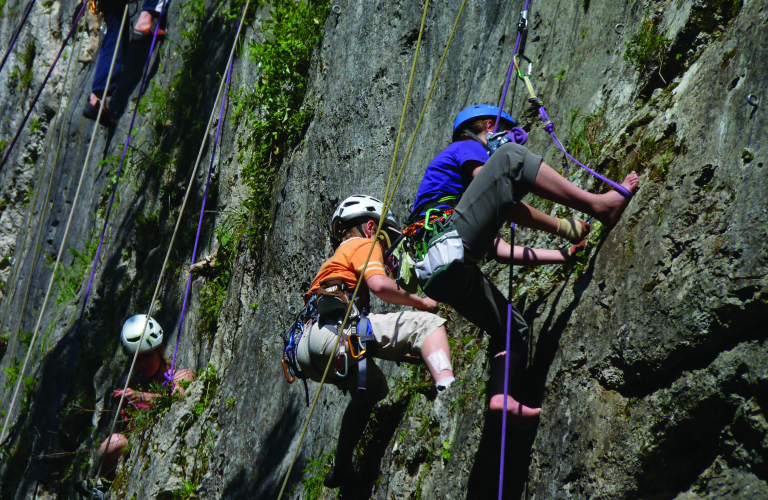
649 357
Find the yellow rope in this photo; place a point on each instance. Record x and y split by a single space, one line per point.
387 201
426 102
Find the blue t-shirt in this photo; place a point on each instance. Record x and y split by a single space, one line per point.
446 176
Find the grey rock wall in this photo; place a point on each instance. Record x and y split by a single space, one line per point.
649 359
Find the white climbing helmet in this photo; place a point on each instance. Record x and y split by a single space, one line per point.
359 205
131 334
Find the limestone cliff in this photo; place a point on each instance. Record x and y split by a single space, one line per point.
648 357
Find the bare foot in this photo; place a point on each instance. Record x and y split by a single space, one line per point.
614 203
521 416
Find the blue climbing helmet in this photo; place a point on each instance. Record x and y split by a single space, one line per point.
473 113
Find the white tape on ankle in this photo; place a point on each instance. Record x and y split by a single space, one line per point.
439 361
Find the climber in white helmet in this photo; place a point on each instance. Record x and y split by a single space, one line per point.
411 336
150 374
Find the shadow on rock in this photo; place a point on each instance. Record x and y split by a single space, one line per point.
548 341
254 482
130 77
484 478
382 426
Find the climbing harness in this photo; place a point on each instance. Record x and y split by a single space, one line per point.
327 308
16 33
291 339
388 197
72 31
181 214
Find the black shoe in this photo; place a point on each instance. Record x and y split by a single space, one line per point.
108 119
146 35
340 475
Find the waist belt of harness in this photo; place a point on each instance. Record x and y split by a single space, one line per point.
450 201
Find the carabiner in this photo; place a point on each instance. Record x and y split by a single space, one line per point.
338 364
427 225
352 350
517 66
287 375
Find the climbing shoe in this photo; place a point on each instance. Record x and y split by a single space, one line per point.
340 475
147 34
88 487
108 119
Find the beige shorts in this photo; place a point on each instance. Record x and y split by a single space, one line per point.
397 334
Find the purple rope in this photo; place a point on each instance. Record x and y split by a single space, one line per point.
524 138
169 375
16 33
517 135
550 127
506 361
511 69
45 80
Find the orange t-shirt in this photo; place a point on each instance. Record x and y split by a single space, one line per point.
348 262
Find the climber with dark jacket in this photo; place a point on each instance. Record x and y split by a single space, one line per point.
470 196
112 12
400 336
154 372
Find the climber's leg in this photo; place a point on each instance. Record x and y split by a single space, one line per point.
606 208
117 444
521 416
437 354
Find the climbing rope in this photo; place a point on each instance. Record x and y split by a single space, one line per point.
33 204
388 197
15 36
522 35
72 212
73 338
175 231
47 294
169 376
72 31
549 126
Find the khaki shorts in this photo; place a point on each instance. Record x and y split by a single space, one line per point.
397 334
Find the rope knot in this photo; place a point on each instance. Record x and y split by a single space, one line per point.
549 127
168 379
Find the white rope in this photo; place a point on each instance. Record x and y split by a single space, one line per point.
11 294
63 241
173 237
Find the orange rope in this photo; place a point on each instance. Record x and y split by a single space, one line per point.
413 228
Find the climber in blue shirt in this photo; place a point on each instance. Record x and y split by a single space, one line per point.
472 194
